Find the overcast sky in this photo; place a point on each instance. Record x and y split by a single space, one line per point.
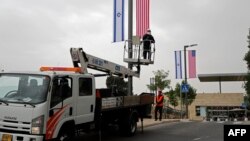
36 33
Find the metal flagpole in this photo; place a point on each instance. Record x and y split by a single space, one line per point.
130 44
185 66
181 101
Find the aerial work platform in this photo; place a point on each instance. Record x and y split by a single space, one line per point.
137 53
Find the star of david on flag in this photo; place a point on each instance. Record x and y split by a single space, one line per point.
118 29
178 65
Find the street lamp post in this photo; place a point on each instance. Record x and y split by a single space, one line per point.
185 66
152 82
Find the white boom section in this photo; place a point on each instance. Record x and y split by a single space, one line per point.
84 61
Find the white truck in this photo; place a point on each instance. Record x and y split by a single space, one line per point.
53 103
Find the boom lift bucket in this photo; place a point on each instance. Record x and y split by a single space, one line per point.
137 53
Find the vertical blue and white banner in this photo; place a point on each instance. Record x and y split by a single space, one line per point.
118 34
178 65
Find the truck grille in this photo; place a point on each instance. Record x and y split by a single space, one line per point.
8 125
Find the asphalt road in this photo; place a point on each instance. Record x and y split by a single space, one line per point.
177 131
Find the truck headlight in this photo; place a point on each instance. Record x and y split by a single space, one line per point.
37 125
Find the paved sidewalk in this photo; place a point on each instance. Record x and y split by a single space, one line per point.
246 122
150 122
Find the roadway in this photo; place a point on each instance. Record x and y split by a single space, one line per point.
170 131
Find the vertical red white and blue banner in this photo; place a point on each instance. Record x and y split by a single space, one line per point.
192 63
178 65
142 17
118 29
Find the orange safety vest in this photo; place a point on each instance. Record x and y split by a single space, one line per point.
159 100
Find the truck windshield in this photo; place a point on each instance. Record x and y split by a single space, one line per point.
23 88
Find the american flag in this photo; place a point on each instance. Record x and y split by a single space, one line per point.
192 63
142 17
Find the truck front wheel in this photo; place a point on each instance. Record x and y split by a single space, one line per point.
66 134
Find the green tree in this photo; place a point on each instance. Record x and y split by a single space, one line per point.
172 96
117 85
247 59
190 95
161 81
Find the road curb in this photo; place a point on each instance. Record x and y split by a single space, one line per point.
153 123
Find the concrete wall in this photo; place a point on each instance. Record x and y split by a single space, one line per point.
214 99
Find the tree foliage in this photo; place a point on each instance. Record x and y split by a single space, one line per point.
172 95
161 80
117 85
247 59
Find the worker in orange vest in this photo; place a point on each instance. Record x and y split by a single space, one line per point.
159 105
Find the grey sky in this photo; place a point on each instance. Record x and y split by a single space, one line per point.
36 33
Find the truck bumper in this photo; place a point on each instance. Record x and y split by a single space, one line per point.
20 137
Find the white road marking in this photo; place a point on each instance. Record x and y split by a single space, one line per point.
237 122
220 121
196 139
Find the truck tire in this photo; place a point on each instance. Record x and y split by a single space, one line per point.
132 127
66 133
128 126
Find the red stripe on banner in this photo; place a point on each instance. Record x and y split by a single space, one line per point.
147 21
138 17
142 17
192 63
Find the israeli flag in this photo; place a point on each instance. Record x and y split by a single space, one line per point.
178 65
118 34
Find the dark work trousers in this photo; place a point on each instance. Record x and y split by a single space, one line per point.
146 53
158 109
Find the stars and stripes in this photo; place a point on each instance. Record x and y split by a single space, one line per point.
142 17
192 63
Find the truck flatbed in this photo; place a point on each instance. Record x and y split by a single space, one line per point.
118 102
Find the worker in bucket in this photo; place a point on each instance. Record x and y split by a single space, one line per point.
148 39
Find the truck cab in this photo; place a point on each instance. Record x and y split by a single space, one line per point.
39 106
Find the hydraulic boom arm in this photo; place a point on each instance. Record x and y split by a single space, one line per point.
84 61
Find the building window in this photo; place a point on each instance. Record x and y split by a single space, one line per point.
198 110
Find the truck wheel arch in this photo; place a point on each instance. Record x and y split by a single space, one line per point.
67 127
